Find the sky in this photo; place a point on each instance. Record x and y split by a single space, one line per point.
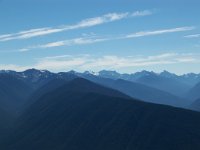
123 35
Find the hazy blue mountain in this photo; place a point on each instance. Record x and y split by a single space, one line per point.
171 85
130 77
113 75
56 83
33 77
189 79
177 85
148 94
163 88
194 92
195 105
82 85
165 80
167 74
49 84
36 78
48 87
13 92
83 115
17 87
67 75
139 91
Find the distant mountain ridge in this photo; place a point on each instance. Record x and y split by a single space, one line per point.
162 80
139 91
34 74
163 88
194 93
109 74
189 78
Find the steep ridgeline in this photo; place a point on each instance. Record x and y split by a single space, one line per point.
163 88
165 80
189 79
139 91
37 78
194 93
194 96
164 83
34 78
195 105
148 94
13 93
82 115
48 87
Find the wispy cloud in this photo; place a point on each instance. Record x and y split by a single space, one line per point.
96 63
158 32
95 39
76 41
192 36
82 24
142 13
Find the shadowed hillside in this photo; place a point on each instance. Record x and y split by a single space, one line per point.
84 115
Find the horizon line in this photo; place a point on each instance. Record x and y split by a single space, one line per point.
96 72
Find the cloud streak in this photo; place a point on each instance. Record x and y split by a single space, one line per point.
76 41
94 39
158 32
192 36
82 24
142 13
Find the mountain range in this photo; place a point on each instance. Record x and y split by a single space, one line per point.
84 115
163 88
70 110
166 81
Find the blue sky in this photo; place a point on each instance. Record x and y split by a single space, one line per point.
123 35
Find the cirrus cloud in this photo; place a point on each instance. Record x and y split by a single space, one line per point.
110 17
95 39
